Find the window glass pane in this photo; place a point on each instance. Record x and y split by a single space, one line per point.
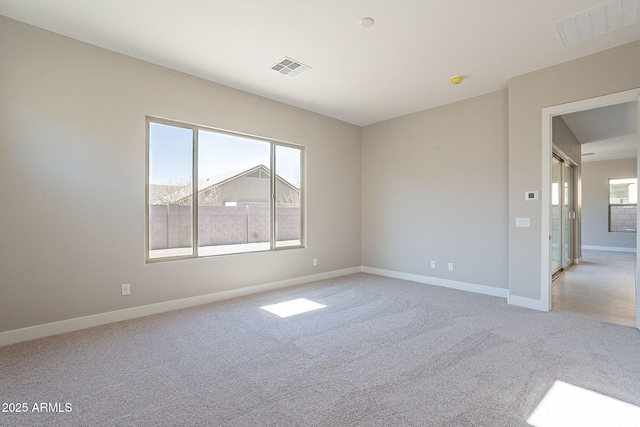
623 191
170 191
234 194
288 196
623 199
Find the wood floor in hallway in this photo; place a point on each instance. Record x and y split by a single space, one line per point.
601 287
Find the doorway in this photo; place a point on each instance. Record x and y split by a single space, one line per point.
547 255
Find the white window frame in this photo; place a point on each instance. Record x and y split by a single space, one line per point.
273 182
622 205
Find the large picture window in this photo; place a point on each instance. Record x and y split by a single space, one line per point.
242 193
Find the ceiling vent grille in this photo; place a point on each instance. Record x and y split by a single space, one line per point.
290 67
600 20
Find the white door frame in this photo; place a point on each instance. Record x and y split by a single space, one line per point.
547 139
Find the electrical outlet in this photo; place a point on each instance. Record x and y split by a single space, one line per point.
126 289
433 264
315 261
450 266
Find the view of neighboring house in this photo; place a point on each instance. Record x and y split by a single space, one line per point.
233 209
248 187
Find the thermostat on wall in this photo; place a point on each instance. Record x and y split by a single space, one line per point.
531 195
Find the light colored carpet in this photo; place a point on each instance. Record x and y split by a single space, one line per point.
384 352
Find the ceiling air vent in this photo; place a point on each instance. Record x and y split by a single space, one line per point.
600 20
290 67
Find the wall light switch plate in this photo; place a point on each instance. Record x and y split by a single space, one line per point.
523 222
126 289
530 195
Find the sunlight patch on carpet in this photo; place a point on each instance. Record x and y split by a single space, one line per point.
293 307
570 405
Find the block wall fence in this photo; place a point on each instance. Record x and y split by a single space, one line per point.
170 225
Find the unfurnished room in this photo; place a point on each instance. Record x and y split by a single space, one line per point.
297 213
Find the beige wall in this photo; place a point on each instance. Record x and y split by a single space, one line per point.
435 187
444 184
72 148
605 73
566 141
595 196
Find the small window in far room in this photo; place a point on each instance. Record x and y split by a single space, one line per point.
623 205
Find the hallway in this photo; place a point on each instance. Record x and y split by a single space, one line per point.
601 287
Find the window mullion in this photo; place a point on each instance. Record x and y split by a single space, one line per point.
273 196
194 192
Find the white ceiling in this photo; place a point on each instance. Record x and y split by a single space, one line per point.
400 65
608 132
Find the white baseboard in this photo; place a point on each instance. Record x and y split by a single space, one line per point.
534 304
609 248
55 328
63 326
445 283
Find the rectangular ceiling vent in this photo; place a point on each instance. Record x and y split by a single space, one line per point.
600 20
290 67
